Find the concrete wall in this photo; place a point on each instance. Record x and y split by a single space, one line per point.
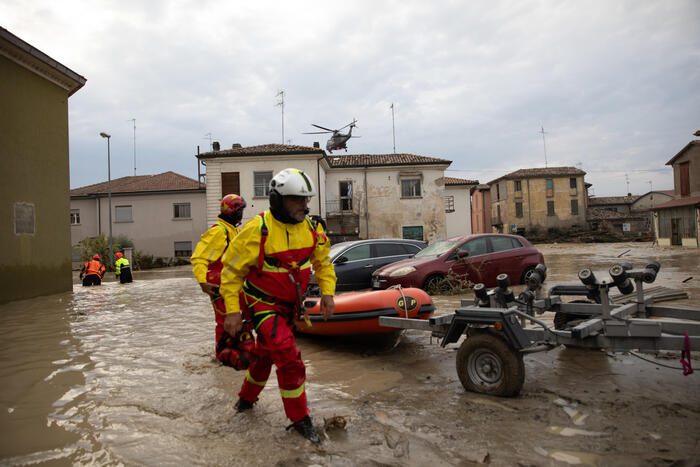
533 196
34 164
153 229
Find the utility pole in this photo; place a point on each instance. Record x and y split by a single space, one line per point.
545 146
393 126
134 120
280 103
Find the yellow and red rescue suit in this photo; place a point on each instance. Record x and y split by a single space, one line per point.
266 272
206 264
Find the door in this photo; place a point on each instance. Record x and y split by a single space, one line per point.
351 268
507 257
676 231
471 267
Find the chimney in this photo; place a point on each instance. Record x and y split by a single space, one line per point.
215 146
316 145
236 146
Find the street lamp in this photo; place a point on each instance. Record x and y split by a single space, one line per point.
109 194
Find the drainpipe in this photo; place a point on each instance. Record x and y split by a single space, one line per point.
366 205
529 206
318 176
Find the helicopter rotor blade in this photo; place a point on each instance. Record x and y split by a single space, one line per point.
324 128
316 132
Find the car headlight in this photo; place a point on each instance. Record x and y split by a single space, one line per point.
404 271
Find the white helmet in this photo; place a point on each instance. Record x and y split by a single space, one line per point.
292 182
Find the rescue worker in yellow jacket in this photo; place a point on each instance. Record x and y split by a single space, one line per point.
92 271
206 259
266 272
122 269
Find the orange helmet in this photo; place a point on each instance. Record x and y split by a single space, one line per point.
96 256
230 204
119 254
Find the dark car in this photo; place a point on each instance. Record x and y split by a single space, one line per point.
478 258
355 261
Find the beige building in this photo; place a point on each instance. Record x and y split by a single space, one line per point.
164 214
538 198
677 222
360 196
34 232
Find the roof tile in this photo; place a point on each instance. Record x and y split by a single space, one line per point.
167 181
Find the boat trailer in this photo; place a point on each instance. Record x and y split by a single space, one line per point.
500 328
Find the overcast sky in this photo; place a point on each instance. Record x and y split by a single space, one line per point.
615 84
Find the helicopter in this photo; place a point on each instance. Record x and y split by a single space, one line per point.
338 140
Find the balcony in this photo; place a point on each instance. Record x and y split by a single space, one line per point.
342 207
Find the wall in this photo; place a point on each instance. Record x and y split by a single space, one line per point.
650 200
692 155
153 230
481 211
458 222
34 163
246 166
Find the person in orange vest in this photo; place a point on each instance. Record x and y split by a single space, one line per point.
266 272
92 271
206 263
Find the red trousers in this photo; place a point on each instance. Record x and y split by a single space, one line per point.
276 344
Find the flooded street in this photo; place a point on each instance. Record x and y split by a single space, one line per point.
125 375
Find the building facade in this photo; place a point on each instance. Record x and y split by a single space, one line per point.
677 222
540 198
164 214
35 231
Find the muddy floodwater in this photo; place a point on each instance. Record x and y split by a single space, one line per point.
124 375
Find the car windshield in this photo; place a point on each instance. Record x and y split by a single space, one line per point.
438 248
335 249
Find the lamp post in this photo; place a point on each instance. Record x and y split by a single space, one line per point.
109 194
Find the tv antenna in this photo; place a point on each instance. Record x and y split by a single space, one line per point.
627 181
280 103
208 136
545 146
134 121
393 127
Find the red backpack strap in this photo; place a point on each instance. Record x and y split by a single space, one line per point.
263 237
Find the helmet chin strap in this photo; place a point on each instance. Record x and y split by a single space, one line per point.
233 219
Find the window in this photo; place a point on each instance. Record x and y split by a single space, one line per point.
574 207
24 218
518 209
572 183
261 180
230 183
410 188
358 253
122 214
75 217
550 208
476 247
449 203
183 249
684 174
346 195
388 249
412 232
181 211
518 185
550 187
498 191
504 243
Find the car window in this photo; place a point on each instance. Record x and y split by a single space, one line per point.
504 243
388 249
357 253
410 249
478 246
437 248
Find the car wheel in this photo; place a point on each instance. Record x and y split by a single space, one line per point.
526 274
435 284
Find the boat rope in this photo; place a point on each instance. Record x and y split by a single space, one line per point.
405 304
653 362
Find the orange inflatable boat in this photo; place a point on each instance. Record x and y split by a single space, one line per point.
359 312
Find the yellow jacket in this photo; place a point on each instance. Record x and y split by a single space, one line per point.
119 264
210 247
286 243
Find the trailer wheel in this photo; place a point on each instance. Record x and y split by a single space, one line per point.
486 364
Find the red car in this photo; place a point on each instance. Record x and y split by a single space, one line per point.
476 258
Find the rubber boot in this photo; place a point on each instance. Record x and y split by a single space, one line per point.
306 429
